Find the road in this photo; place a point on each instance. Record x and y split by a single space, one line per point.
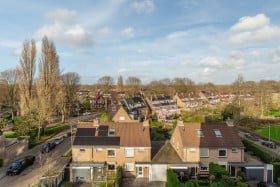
43 163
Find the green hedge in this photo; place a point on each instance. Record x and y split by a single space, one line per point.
1 162
264 154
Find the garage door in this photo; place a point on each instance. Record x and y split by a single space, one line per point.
158 173
81 174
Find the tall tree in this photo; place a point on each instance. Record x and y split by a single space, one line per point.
239 89
120 82
26 76
184 85
67 94
48 83
9 77
106 82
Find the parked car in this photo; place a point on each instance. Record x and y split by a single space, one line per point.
47 147
269 144
58 140
74 115
86 113
251 136
18 166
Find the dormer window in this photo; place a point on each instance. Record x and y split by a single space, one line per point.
199 133
217 133
112 132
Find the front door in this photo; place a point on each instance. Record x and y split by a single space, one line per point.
139 171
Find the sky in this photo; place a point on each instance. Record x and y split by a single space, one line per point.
204 40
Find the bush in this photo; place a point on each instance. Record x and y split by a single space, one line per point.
1 162
214 184
11 135
242 184
172 179
276 170
118 180
242 176
226 181
218 171
189 184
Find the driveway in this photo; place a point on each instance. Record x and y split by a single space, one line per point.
141 182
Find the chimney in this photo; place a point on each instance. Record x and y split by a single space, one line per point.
180 122
96 122
146 123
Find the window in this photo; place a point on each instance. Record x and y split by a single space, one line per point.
114 108
129 167
111 166
99 149
234 150
192 149
122 118
141 149
222 153
111 153
217 133
204 152
111 132
129 152
204 167
199 133
82 149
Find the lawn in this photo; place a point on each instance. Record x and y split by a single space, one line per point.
274 132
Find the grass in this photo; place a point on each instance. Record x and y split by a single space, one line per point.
10 134
274 132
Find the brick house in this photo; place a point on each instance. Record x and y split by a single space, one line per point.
198 144
98 149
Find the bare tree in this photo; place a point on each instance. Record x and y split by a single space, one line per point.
48 83
184 85
9 77
133 83
106 82
67 93
26 76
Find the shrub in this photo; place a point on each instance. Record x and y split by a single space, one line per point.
276 170
1 162
226 181
242 176
242 184
118 180
214 184
218 171
172 179
189 184
11 135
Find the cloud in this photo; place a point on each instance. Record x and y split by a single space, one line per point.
123 70
210 61
129 31
254 30
250 23
145 6
9 43
104 31
65 29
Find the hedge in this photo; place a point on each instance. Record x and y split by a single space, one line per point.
172 179
118 180
276 171
1 162
264 154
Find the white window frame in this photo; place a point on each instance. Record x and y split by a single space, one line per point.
192 149
141 149
122 118
129 152
204 149
112 132
234 150
129 166
111 155
222 149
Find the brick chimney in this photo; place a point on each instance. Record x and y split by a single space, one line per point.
96 122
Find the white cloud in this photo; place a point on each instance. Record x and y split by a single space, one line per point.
104 31
210 61
254 30
235 64
251 23
208 71
65 29
129 31
123 70
145 6
16 52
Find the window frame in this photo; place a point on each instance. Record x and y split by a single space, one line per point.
130 168
127 152
218 133
111 156
204 156
111 164
82 149
222 149
199 133
204 165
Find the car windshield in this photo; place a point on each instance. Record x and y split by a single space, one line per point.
15 164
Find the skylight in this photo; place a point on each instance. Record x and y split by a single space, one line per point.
218 133
199 133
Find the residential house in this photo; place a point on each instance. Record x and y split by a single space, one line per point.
189 101
136 108
199 144
163 106
98 149
98 102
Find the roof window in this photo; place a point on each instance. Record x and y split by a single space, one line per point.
217 133
112 132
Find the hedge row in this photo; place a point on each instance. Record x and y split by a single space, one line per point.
264 154
276 171
118 180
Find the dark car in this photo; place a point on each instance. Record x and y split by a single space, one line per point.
58 140
47 147
18 166
251 136
269 144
